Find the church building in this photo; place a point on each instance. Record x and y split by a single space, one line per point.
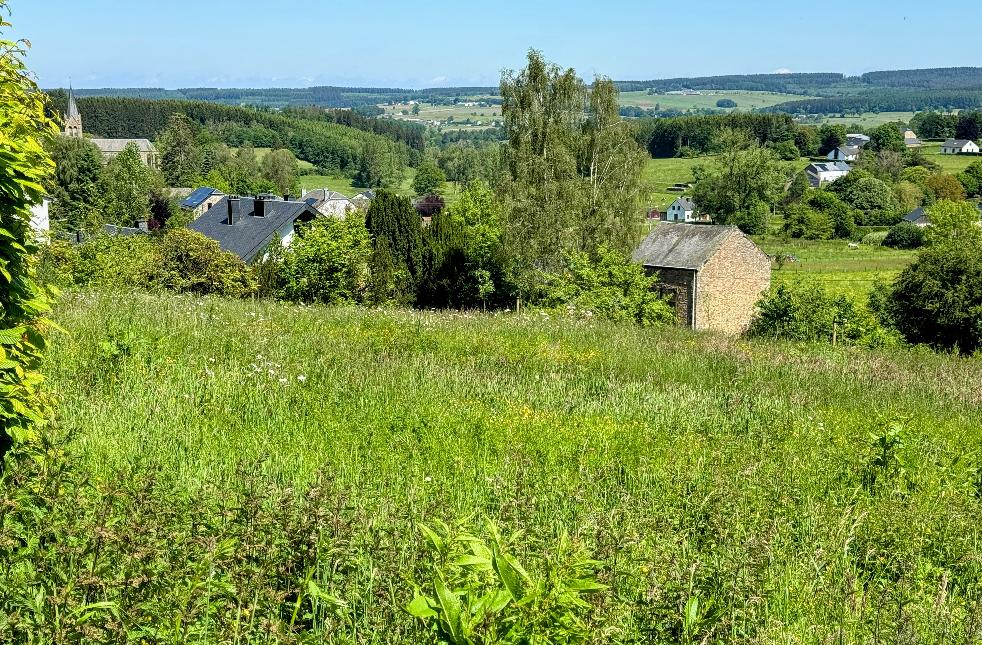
109 147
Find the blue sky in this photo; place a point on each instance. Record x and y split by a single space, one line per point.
292 43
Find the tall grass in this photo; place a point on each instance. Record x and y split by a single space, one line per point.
733 491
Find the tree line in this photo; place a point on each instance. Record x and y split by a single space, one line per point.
695 134
332 147
884 101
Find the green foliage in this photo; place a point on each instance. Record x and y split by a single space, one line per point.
786 150
802 221
807 312
934 125
726 103
831 136
429 179
872 197
608 286
955 221
842 216
573 169
945 187
397 246
743 179
876 238
75 184
24 167
125 188
905 235
180 156
327 262
180 260
479 593
279 168
666 137
886 137
937 300
377 166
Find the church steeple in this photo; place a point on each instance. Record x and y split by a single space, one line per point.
73 118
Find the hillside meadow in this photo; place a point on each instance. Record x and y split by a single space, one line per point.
258 471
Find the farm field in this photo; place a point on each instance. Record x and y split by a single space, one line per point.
745 100
836 266
459 113
746 475
869 119
951 164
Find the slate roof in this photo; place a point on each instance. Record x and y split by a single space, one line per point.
915 215
118 145
198 197
829 166
681 246
321 195
250 236
848 151
955 143
685 203
73 112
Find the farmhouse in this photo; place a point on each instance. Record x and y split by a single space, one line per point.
714 274
682 210
823 173
108 147
329 202
844 153
363 199
247 226
910 137
201 200
959 147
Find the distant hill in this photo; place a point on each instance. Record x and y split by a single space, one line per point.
900 90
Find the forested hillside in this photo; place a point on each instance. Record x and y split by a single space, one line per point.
885 101
322 141
787 83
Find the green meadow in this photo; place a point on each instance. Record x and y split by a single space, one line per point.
746 100
729 491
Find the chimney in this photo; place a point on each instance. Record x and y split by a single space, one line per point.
288 197
234 205
143 225
259 206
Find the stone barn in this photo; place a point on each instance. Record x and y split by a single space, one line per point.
713 274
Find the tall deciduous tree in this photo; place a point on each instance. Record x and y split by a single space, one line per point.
429 179
741 183
573 168
181 158
126 186
23 301
830 136
887 137
279 167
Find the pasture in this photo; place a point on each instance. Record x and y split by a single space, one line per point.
735 491
868 119
951 164
745 100
459 113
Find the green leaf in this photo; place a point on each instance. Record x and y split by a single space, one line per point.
473 561
513 577
450 606
11 336
585 585
420 607
432 537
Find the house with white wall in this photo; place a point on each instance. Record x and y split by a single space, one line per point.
844 153
959 147
682 209
820 174
246 226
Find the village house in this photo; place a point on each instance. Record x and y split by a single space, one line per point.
844 153
108 147
910 137
201 199
246 226
363 199
714 275
820 174
682 209
856 140
329 202
917 216
959 147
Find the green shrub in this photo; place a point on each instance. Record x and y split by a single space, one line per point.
608 286
808 312
193 263
905 235
937 300
328 262
801 221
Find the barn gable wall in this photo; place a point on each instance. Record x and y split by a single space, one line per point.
730 284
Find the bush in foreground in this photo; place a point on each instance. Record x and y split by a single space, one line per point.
905 235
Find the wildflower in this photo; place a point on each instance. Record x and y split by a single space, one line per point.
427 479
283 381
302 378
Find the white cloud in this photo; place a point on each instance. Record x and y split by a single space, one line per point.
438 80
782 70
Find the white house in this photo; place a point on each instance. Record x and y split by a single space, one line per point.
844 153
856 140
823 173
681 210
959 147
329 202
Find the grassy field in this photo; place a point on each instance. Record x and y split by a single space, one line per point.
460 113
835 265
745 101
951 164
869 119
730 491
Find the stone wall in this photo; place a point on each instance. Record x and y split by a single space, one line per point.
677 285
730 284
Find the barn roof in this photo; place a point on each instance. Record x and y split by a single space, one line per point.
681 246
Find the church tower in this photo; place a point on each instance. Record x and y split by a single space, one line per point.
73 119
